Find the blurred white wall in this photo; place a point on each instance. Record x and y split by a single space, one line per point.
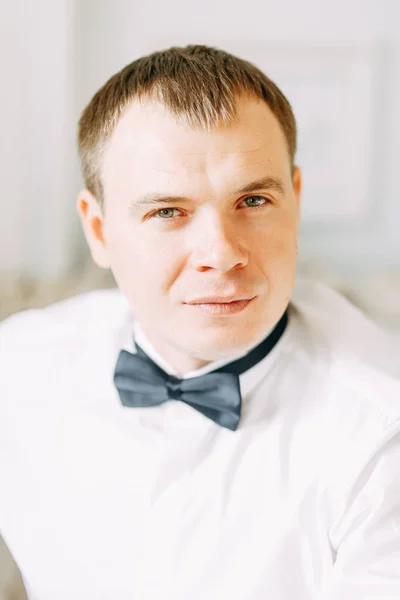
37 49
55 55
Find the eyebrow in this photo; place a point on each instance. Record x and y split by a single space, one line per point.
266 183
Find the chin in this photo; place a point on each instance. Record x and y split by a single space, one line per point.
221 344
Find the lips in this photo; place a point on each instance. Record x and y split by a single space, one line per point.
219 299
222 309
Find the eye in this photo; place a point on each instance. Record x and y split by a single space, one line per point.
162 213
258 198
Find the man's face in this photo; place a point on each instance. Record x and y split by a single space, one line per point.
211 240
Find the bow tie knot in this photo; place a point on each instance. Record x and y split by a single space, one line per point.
174 388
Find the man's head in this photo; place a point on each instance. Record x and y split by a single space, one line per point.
215 138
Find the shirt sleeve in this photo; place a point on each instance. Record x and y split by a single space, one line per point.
367 535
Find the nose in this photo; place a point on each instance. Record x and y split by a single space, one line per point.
218 247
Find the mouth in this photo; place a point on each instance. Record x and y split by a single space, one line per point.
222 308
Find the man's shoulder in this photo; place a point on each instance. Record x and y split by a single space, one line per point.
362 360
343 326
73 317
55 354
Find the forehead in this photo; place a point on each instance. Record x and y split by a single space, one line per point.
148 142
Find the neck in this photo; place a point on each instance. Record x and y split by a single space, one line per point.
178 359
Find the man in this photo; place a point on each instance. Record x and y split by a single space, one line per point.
210 429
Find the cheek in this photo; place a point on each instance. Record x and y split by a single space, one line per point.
282 247
283 237
278 245
141 265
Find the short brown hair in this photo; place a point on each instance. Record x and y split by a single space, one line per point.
198 84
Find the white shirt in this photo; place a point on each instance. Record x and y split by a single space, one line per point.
103 502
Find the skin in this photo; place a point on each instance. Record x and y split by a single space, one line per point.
215 242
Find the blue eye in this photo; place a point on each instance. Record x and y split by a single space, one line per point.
265 201
164 210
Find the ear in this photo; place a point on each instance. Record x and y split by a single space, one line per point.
297 185
92 219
